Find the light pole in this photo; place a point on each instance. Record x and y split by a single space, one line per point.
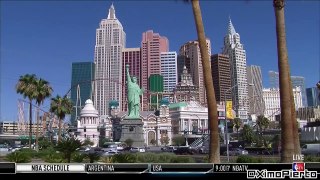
226 120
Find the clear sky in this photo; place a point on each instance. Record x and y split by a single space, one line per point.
45 37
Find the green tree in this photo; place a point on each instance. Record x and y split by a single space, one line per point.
44 144
247 134
68 146
287 141
43 90
129 142
237 124
214 148
60 107
87 142
164 140
178 140
26 86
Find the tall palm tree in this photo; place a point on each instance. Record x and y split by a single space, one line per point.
60 106
287 142
214 149
237 124
26 87
43 91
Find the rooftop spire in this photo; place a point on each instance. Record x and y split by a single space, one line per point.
231 29
112 13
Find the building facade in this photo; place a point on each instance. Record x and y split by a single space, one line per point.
81 86
272 101
169 70
191 49
255 97
221 76
89 123
185 89
238 62
152 45
132 57
181 62
313 96
297 81
110 41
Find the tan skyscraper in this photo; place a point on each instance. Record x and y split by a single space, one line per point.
191 50
110 40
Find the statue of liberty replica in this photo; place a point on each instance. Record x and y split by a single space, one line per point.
132 124
134 93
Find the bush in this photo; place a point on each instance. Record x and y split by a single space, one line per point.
311 159
179 159
248 159
54 158
107 160
124 158
18 157
78 157
165 157
30 152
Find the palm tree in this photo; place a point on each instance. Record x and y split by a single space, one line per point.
26 86
60 106
68 146
214 149
43 91
287 142
237 124
295 132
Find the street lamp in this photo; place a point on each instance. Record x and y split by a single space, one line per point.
226 120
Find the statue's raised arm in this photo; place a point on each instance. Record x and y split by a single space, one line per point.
129 80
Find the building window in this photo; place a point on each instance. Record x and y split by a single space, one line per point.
84 129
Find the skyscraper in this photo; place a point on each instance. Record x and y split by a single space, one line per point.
132 57
297 81
182 61
152 45
191 49
221 76
255 96
110 40
238 62
169 70
313 96
81 86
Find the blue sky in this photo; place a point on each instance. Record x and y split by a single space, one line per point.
45 37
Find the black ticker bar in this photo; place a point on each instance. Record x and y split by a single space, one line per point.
312 166
116 168
7 168
177 167
243 167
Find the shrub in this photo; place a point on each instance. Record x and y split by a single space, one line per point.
78 157
107 159
54 158
247 159
311 159
125 158
179 159
18 157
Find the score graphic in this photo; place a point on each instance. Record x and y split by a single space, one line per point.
298 167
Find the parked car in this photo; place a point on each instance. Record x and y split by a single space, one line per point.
311 149
4 148
236 152
184 150
138 149
168 148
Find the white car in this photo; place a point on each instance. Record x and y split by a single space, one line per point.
137 149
